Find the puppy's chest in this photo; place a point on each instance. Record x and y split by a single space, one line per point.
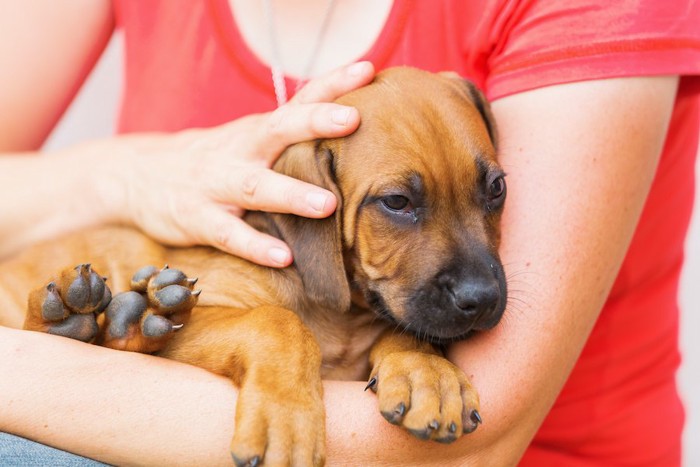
345 342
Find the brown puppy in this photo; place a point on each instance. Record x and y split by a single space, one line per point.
413 242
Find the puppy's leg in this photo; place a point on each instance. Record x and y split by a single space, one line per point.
276 362
68 304
421 390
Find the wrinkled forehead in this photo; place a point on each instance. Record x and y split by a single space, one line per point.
420 125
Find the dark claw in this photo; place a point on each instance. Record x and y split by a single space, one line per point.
396 415
173 297
156 326
400 409
252 462
428 431
52 309
475 417
452 429
372 383
168 277
470 422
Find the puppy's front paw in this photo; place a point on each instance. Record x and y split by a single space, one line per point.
68 305
425 394
144 318
279 425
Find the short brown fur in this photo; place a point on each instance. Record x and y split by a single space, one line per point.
423 136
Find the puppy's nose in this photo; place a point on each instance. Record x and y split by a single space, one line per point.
476 296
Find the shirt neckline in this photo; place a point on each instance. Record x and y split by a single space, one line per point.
259 73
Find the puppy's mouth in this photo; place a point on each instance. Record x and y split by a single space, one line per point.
431 315
423 331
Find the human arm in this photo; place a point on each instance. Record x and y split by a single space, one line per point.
580 159
183 189
47 50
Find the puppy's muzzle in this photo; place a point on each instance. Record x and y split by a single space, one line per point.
468 295
475 297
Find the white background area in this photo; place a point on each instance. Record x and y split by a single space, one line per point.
92 115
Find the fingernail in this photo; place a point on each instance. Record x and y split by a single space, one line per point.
356 69
340 116
317 201
278 255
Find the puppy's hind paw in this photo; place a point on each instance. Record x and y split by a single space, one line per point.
144 318
68 305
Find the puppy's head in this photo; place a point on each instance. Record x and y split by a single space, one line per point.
420 193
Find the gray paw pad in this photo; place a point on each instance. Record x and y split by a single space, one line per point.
80 327
125 309
52 308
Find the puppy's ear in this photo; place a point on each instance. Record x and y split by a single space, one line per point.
316 243
479 100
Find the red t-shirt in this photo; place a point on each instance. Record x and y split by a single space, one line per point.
188 66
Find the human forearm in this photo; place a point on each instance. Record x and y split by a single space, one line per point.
581 159
577 183
47 51
119 407
186 188
131 409
51 194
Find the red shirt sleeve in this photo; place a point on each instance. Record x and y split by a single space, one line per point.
535 43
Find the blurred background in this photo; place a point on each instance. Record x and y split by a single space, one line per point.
92 115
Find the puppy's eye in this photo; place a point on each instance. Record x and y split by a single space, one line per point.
496 193
396 202
497 188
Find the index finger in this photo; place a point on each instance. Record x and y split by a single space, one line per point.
261 189
334 84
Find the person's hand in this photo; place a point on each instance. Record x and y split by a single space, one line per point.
193 187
